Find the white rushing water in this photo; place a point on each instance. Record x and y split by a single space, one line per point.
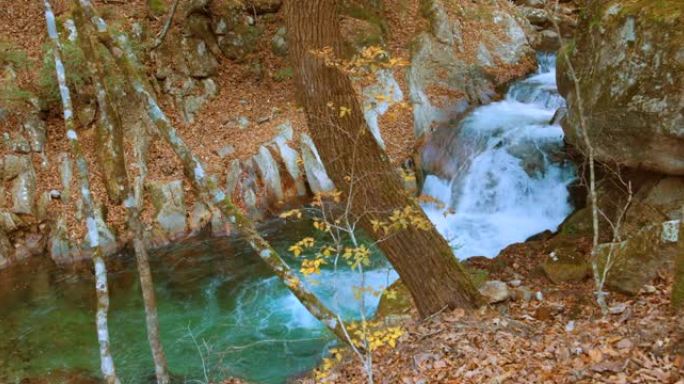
512 176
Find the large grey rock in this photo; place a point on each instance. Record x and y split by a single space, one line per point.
279 42
35 130
168 200
290 158
233 177
270 174
629 58
9 222
449 73
13 165
59 245
20 170
316 175
16 142
495 291
378 98
200 217
200 62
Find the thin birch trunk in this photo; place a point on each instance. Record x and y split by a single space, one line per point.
204 186
111 121
106 360
593 196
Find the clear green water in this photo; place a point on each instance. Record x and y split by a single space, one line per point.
221 314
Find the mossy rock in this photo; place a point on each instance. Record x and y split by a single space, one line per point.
156 7
636 261
398 303
567 260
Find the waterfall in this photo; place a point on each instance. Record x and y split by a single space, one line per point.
506 176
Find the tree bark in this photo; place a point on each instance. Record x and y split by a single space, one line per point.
204 186
357 165
110 122
678 297
102 291
678 288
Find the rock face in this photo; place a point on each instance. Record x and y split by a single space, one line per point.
629 57
169 205
469 51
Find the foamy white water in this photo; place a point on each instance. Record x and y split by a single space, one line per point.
513 184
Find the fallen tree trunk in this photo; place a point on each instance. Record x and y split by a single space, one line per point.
111 125
101 288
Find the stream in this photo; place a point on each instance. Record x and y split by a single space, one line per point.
507 174
221 312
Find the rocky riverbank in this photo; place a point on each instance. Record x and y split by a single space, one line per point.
222 75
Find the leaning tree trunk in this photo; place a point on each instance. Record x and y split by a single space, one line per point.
204 186
106 360
356 163
111 128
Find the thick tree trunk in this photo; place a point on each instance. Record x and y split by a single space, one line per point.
678 299
205 188
357 165
112 129
102 291
678 289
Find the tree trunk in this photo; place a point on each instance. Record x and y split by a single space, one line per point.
111 127
678 299
678 289
357 165
102 291
204 186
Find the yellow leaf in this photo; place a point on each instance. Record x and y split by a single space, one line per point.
344 111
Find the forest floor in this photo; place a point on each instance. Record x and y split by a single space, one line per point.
558 336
